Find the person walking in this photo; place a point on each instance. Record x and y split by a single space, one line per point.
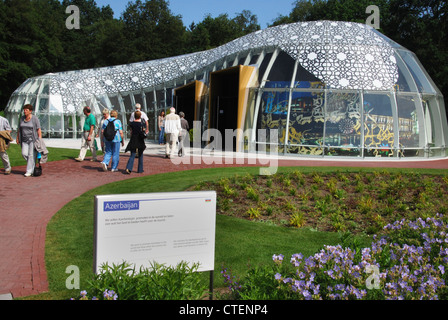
5 139
106 115
136 143
144 116
172 129
88 136
113 146
161 124
28 132
184 131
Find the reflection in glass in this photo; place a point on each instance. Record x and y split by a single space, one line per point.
379 134
306 123
343 124
408 122
274 110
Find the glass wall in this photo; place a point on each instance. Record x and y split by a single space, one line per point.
411 137
318 121
343 124
306 123
349 118
379 126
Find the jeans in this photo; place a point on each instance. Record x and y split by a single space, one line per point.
162 135
30 155
130 164
112 152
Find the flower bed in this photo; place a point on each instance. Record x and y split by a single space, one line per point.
408 262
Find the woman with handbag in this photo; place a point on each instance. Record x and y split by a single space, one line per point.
136 143
28 133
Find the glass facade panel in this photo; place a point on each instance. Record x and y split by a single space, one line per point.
138 98
429 118
160 100
273 112
408 121
114 103
343 124
103 103
79 122
68 126
264 65
128 105
282 69
43 105
169 97
149 95
420 78
45 87
404 82
379 133
306 123
56 125
45 125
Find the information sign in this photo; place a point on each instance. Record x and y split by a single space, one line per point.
165 228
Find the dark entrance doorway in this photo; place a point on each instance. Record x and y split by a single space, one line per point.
184 101
224 87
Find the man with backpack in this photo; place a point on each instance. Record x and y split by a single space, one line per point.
88 136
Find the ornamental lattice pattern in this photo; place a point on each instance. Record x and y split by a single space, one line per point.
343 55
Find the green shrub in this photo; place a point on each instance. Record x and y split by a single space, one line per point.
159 282
297 220
406 264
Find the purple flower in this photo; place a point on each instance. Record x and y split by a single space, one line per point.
442 269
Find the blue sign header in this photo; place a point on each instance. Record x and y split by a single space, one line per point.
121 205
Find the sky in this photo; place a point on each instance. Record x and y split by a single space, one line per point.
196 10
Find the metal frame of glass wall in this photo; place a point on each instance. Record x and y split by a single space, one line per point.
401 122
410 119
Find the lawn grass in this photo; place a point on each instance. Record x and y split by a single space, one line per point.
55 154
70 232
239 242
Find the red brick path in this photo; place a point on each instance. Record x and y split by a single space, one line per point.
27 205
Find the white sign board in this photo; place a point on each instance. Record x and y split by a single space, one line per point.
166 228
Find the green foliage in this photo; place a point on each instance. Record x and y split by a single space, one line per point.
407 264
297 220
158 282
253 213
34 39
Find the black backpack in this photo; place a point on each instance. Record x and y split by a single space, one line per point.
110 132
